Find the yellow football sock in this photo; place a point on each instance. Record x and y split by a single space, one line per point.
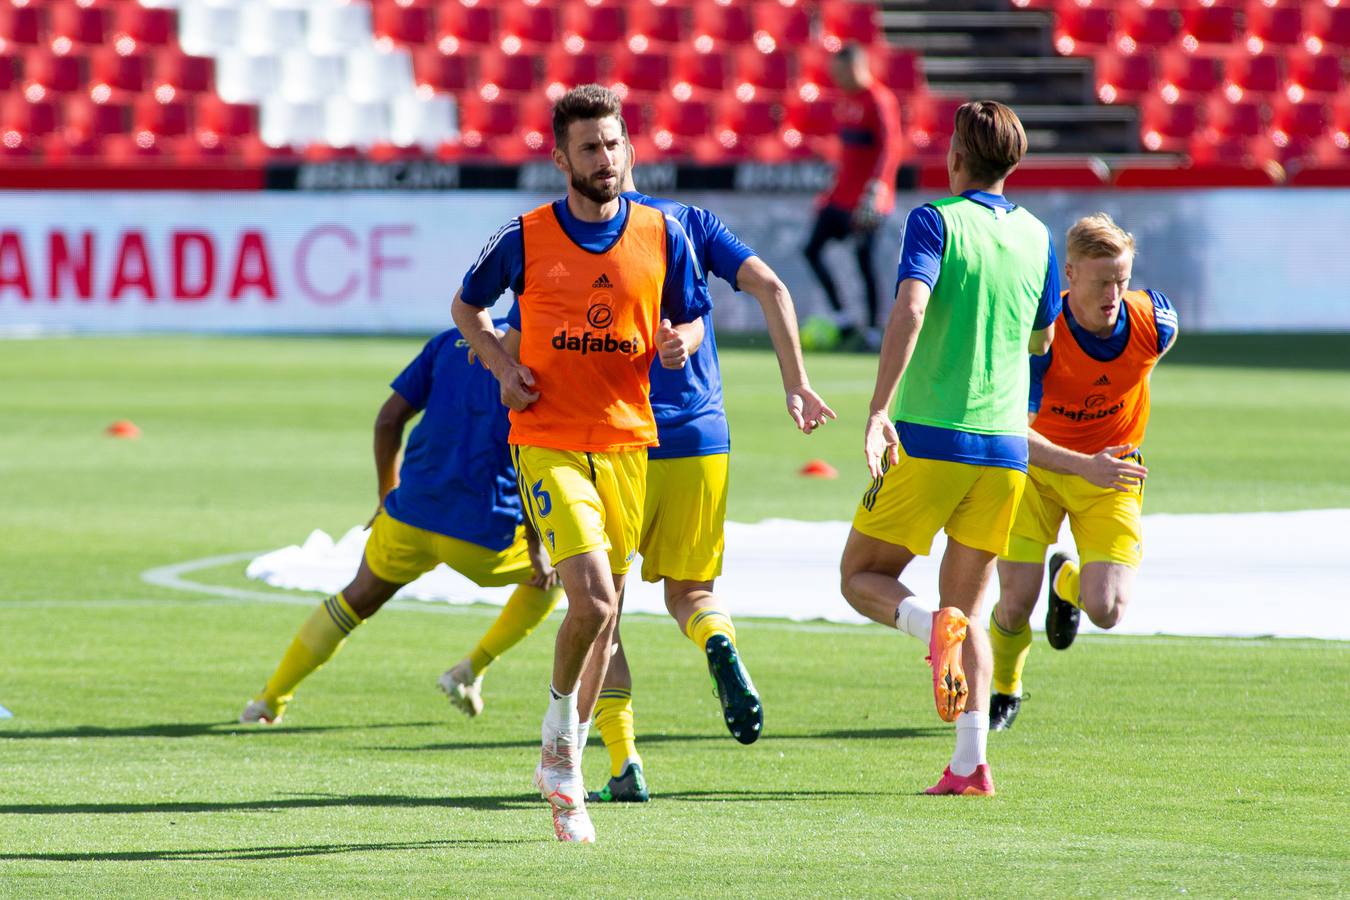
1068 585
614 718
527 607
314 644
1010 655
707 622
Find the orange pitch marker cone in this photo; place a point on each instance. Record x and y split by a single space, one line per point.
818 468
123 428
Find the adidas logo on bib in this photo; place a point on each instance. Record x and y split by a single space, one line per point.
558 271
603 282
1102 381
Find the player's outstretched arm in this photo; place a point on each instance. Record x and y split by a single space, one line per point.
516 381
897 348
390 423
807 408
1105 469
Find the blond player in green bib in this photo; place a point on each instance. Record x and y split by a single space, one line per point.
978 288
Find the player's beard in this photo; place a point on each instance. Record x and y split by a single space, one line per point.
588 188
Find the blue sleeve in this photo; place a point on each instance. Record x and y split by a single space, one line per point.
501 265
723 251
684 297
414 383
513 317
1051 302
1039 366
1165 318
921 251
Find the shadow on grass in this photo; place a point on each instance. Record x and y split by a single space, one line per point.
295 801
644 739
245 853
765 796
195 729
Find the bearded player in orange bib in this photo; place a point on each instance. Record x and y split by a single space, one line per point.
598 283
1089 409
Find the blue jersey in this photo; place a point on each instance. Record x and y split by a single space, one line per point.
457 478
690 417
921 259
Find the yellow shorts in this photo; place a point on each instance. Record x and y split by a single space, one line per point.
1107 525
580 501
683 521
399 553
915 499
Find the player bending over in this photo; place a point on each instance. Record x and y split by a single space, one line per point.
453 501
1089 409
598 282
978 287
685 513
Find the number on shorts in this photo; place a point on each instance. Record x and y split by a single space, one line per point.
541 498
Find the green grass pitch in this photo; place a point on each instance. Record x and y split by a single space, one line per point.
1143 767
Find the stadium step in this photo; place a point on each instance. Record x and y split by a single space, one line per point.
970 34
1014 80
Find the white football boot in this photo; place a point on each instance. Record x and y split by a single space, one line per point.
258 712
558 777
464 690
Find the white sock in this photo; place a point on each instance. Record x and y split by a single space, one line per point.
972 738
914 619
561 716
583 735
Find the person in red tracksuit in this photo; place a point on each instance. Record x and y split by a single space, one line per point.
863 194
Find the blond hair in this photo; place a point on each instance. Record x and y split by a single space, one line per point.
991 137
1098 236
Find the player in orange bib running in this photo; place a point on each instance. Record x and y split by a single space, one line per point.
1089 410
598 282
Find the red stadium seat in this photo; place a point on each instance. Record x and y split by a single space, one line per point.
594 24
1144 28
226 119
762 70
85 115
529 24
70 145
640 72
20 24
1244 119
474 25
1328 27
842 21
1313 73
200 147
636 116
653 23
81 24
9 70
35 115
478 116
442 71
700 70
124 72
1206 148
1189 73
131 149
1168 126
192 74
812 118
169 118
813 67
506 71
785 27
17 145
1207 25
728 22
402 24
754 119
563 70
1123 79
1082 30
60 74
900 70
932 120
155 26
1245 73
1278 26
1306 119
1340 112
688 118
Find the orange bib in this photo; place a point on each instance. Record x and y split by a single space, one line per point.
1089 405
588 325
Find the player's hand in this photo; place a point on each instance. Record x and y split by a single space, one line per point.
516 381
545 576
672 346
867 214
880 442
1108 470
807 409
